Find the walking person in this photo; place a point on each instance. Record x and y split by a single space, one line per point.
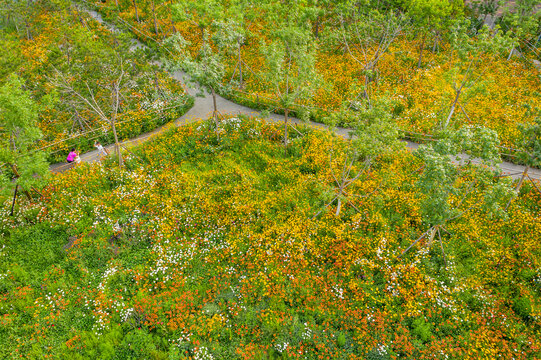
101 150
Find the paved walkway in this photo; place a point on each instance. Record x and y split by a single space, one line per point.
202 109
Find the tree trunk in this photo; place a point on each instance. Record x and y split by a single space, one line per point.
80 122
154 16
442 250
316 33
241 83
157 83
136 13
421 48
519 185
28 33
435 45
215 112
365 91
17 175
510 53
286 113
431 236
14 199
117 145
171 15
453 108
338 207
450 115
203 40
66 44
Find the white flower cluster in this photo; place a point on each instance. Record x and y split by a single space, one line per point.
126 313
203 354
100 324
281 347
184 338
156 104
394 283
537 278
116 227
357 105
53 299
307 333
233 122
381 349
109 272
338 291
253 133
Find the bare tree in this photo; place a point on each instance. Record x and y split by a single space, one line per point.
154 18
469 56
85 98
375 135
531 152
136 12
344 180
450 190
367 38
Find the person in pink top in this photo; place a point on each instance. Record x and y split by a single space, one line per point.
72 156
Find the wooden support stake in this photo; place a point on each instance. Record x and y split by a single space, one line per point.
14 198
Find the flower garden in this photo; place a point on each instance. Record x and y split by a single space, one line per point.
218 245
505 95
238 238
67 42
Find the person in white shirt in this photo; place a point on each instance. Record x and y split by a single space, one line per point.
101 150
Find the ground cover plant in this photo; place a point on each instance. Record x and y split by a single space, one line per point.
430 59
217 243
52 48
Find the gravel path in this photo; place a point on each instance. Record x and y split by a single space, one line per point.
202 109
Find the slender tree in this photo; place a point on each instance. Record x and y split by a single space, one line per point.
531 151
522 21
20 14
468 61
290 58
202 13
22 167
430 16
375 135
453 185
232 31
290 70
136 12
205 68
155 21
105 104
229 37
367 34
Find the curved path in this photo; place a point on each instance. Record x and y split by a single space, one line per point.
202 109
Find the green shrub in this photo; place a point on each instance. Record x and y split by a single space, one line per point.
523 307
422 329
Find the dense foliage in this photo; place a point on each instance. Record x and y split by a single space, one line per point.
217 244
